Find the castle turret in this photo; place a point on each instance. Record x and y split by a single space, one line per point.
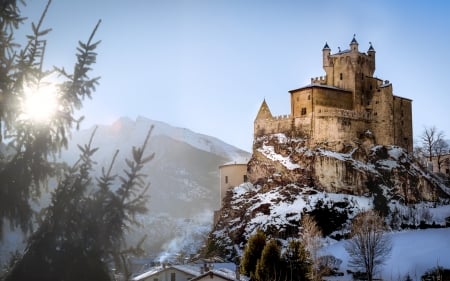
327 64
264 111
371 54
354 44
263 118
326 53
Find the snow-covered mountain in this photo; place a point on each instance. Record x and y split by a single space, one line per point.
184 177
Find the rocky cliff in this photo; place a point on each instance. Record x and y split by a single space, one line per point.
288 179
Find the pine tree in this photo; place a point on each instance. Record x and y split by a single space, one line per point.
82 232
297 261
27 144
268 266
252 253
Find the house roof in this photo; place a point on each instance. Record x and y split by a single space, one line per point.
223 273
243 161
188 269
314 85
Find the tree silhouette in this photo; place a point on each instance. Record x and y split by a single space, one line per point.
268 266
26 143
81 233
368 246
252 253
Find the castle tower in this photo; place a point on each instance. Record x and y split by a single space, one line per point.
371 54
327 63
347 69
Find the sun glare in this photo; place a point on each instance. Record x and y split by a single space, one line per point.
39 105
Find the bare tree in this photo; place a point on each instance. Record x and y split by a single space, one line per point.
440 149
369 246
311 236
431 138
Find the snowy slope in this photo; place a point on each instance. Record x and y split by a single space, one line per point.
414 252
184 180
384 178
184 177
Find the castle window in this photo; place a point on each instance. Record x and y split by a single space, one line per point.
371 87
375 114
226 179
340 76
303 110
245 178
309 97
297 98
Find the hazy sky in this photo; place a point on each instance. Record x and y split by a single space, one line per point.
208 65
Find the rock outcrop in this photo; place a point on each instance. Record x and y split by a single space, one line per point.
288 179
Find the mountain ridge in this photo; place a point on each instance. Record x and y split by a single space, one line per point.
183 176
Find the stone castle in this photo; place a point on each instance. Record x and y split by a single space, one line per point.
344 106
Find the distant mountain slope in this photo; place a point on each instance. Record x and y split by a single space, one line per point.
184 175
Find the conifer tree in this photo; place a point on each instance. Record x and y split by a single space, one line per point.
297 261
82 232
268 266
252 253
27 144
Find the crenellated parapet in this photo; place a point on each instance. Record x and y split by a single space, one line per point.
283 117
322 80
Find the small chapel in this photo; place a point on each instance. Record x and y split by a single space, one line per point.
343 106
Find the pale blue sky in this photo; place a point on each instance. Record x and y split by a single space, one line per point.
207 65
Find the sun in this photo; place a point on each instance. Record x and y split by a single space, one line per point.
39 104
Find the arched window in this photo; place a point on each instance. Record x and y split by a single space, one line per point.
340 76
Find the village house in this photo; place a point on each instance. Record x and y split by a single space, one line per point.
184 272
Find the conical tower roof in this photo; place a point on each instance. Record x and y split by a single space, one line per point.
264 111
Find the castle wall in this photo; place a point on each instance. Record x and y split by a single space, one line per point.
304 100
336 127
332 98
382 111
273 125
403 132
301 102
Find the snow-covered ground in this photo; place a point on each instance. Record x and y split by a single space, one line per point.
413 252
